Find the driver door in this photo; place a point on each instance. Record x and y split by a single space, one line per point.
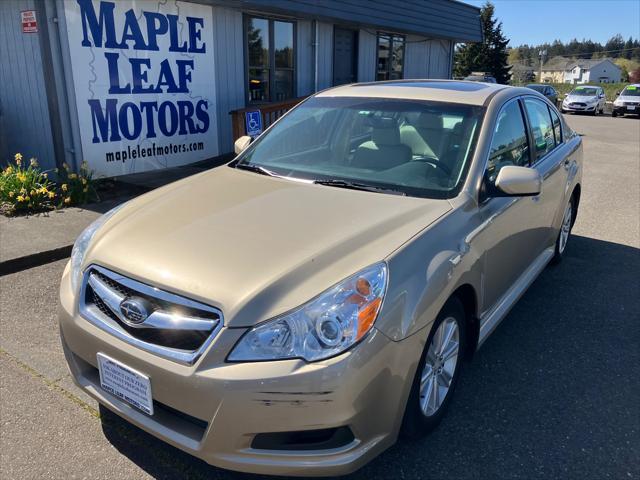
510 239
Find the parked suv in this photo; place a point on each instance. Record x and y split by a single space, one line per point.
585 98
294 311
546 90
628 101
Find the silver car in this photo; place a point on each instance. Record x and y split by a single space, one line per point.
294 311
585 98
628 101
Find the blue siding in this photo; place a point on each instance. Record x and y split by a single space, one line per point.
367 55
325 55
24 115
437 18
304 58
229 70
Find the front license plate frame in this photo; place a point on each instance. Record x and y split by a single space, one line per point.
124 382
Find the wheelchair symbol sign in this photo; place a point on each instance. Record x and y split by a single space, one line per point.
253 123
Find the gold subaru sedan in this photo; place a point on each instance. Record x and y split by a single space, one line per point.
297 310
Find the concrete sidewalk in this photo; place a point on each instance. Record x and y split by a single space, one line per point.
26 242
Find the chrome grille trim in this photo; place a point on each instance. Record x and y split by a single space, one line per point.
118 287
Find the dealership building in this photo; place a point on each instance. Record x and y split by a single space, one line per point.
139 85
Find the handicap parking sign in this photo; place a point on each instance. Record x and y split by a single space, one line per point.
253 123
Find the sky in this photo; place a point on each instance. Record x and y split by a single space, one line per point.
539 21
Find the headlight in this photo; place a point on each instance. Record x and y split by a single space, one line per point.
325 326
81 244
618 102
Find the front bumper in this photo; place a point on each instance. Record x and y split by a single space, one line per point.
631 109
574 108
214 410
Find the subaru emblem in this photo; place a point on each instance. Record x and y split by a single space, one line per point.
135 310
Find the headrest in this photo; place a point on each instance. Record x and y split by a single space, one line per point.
386 132
430 120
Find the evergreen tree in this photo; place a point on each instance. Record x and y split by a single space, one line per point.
491 55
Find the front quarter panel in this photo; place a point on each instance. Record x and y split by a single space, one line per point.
427 270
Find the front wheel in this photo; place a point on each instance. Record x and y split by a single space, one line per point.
437 373
564 234
614 114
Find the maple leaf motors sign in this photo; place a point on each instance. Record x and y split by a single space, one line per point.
144 83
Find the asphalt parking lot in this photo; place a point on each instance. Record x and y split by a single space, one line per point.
554 393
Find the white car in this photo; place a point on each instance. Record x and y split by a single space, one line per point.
585 98
628 101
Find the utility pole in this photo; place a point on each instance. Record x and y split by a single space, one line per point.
542 54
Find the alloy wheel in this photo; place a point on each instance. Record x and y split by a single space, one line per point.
440 366
566 228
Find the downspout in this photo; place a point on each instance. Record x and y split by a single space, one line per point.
314 45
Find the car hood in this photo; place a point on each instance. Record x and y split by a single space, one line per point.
581 98
628 98
255 246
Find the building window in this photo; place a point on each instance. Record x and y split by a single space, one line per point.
390 57
270 60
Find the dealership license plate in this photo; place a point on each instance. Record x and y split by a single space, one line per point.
125 383
631 107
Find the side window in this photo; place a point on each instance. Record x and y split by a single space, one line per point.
541 126
557 129
509 145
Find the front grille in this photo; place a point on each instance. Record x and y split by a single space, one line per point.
171 325
632 104
578 104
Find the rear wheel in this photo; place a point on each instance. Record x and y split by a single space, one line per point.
565 232
614 114
437 373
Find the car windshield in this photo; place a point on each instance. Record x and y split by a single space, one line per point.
409 147
584 91
537 88
631 91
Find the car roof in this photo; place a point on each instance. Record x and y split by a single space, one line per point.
453 91
587 86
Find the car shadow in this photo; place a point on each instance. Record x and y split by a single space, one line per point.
553 393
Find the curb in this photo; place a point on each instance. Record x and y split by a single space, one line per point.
34 260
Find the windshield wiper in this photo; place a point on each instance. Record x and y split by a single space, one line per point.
358 186
255 168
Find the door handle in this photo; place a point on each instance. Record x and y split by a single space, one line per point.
567 164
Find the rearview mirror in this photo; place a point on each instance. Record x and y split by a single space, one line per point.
241 144
515 181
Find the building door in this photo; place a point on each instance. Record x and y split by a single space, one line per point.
345 56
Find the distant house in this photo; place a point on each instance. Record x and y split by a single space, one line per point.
568 70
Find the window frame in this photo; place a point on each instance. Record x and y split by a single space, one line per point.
538 159
391 36
246 18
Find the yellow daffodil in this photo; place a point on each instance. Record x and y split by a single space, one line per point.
23 191
52 194
84 181
33 162
18 158
45 175
32 193
64 187
20 198
11 194
9 169
73 176
67 200
27 198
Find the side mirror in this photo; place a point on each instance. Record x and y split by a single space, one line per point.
515 181
241 144
618 93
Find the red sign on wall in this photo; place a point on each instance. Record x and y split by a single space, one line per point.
29 23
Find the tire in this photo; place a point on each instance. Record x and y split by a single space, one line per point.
595 112
424 410
565 232
614 114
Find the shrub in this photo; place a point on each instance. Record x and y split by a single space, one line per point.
25 188
74 188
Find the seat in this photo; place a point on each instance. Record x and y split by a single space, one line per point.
424 136
384 150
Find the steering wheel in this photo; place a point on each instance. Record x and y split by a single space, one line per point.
435 163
